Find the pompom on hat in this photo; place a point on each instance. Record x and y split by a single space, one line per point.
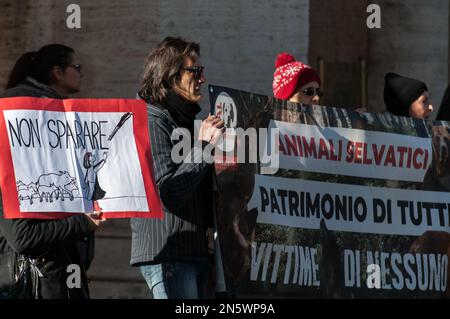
290 75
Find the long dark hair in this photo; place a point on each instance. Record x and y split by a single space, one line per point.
86 159
39 64
163 65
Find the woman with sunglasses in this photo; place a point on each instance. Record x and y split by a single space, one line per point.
172 253
53 72
295 81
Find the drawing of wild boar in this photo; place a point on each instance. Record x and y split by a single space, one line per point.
62 181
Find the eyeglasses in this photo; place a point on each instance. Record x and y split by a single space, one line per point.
197 70
75 66
312 92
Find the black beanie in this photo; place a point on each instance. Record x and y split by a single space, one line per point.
400 92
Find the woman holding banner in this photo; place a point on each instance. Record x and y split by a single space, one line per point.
172 253
405 96
409 97
47 247
444 108
297 82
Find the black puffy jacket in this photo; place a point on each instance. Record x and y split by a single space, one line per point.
55 243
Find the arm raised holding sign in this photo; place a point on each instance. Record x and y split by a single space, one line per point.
173 252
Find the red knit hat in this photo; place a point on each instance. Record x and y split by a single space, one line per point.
290 75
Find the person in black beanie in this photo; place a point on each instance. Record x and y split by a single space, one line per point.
405 96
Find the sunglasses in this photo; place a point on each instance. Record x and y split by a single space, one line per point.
313 92
75 66
197 70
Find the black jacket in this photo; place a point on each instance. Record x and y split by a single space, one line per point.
31 87
186 194
52 242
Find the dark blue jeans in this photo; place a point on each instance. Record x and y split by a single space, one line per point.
176 280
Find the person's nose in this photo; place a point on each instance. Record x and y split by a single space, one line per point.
430 107
202 79
315 98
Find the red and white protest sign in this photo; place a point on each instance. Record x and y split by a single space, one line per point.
61 157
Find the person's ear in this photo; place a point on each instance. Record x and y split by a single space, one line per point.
57 73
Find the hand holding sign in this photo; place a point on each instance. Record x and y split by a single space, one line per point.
96 219
212 129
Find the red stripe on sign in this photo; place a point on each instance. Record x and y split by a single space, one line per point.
11 207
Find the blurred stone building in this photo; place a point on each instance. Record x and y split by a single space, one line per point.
239 43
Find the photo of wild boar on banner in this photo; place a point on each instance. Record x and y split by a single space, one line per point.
61 157
338 204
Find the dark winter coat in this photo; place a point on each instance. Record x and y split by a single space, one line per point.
54 243
186 194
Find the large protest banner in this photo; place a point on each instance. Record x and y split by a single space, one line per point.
337 205
61 157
